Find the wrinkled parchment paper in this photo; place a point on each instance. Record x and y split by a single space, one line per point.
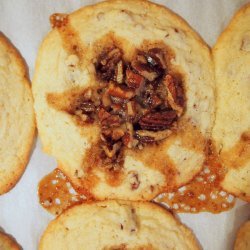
26 22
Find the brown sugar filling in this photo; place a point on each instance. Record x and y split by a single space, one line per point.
135 103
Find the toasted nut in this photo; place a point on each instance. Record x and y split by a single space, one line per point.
119 92
172 94
158 120
151 136
134 80
145 71
119 72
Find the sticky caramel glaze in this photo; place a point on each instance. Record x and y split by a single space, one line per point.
203 193
189 135
71 41
56 193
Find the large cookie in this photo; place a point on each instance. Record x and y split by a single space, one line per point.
232 125
8 243
17 121
242 241
117 225
124 99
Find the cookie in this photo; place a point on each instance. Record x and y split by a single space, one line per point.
8 243
17 120
124 99
232 126
243 237
117 225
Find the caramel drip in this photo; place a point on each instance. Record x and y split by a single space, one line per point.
56 193
71 40
203 193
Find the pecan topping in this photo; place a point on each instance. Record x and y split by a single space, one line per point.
135 103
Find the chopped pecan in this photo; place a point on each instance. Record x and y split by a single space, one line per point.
111 152
83 117
117 133
106 133
86 107
169 82
128 138
158 120
103 114
111 121
119 72
117 100
157 55
131 108
123 93
152 136
107 63
174 95
134 80
106 102
145 70
151 100
88 94
141 58
116 107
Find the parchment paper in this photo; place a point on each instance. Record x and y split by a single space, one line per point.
26 22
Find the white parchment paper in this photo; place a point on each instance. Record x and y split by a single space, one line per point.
26 22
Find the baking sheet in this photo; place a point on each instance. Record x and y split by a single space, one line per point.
26 22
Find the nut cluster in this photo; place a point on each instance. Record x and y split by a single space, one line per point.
135 103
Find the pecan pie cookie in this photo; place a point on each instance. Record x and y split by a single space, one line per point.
124 99
8 243
243 237
232 125
119 225
17 121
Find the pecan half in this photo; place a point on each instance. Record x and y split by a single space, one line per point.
158 120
